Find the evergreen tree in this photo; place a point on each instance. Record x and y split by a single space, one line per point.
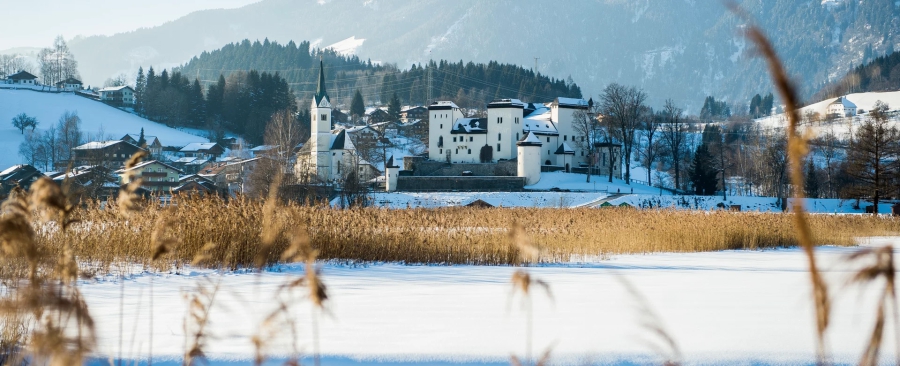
811 181
142 141
394 107
357 106
755 106
766 105
703 172
140 85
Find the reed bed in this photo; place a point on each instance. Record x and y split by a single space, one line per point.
241 233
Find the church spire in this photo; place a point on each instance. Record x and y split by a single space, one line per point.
320 89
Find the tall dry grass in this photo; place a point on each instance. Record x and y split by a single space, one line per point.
231 234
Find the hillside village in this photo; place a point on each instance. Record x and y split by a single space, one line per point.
355 151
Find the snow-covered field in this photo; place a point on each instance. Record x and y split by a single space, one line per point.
48 107
576 182
841 126
496 199
736 307
752 204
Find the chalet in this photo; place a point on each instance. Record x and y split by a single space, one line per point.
18 176
157 176
208 150
263 150
191 164
841 107
111 154
93 181
414 128
230 177
70 84
153 144
195 184
121 96
339 116
413 113
22 78
378 115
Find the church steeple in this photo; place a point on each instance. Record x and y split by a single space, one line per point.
320 88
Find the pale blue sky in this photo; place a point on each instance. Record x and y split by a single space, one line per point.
34 23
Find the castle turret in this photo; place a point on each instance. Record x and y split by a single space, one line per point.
529 159
391 173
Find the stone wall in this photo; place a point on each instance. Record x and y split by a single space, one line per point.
457 183
422 167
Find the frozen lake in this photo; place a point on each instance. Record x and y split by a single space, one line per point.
745 307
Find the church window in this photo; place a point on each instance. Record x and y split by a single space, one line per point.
324 117
470 151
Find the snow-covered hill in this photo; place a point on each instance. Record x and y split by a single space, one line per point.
95 117
841 126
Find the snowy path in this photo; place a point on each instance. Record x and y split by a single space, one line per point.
733 306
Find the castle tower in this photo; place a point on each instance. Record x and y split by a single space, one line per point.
320 139
529 158
391 175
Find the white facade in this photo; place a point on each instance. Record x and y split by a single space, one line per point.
529 159
120 95
442 115
842 108
391 174
504 123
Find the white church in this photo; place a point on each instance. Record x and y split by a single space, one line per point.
331 151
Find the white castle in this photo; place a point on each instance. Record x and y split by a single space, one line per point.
453 137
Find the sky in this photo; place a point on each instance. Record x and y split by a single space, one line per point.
38 22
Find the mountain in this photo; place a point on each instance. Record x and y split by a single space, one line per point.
879 75
679 49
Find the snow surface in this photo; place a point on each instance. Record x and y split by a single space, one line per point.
752 204
744 307
48 107
576 182
497 199
348 46
841 126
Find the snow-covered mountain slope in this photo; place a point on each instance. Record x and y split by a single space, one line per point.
95 117
840 126
684 50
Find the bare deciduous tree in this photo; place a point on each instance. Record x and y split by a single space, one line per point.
587 134
649 152
623 106
674 137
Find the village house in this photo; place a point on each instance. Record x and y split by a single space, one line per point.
413 113
841 107
18 176
121 96
22 78
158 177
153 145
206 150
230 178
111 154
70 84
89 181
195 184
376 115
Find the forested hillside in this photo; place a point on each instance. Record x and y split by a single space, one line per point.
881 74
468 84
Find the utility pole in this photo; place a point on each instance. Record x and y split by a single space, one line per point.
430 86
535 64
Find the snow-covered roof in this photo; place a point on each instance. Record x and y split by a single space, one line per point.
137 137
116 88
844 102
22 75
497 103
339 141
197 146
571 102
470 125
151 162
263 148
185 160
93 145
565 149
530 140
11 169
443 104
540 122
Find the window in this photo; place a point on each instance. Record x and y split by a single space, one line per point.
454 139
471 139
565 137
517 136
498 120
442 125
324 117
498 147
470 151
441 151
499 137
548 139
440 141
314 118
